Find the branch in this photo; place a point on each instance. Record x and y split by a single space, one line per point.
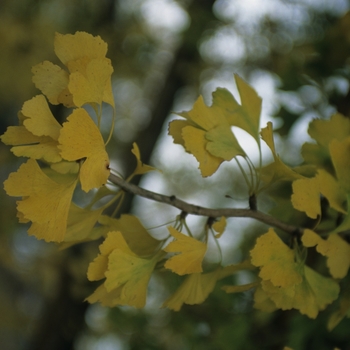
202 211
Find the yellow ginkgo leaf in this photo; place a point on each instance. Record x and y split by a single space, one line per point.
71 47
196 144
98 267
129 271
140 167
276 261
136 236
107 299
331 189
45 202
310 296
334 248
219 226
80 138
175 130
25 144
204 117
37 136
90 86
194 290
191 253
306 196
39 119
52 81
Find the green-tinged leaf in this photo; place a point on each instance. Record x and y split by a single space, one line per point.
343 311
241 288
80 224
340 151
194 290
248 116
128 271
324 131
223 143
310 296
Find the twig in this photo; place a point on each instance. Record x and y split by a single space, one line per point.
202 211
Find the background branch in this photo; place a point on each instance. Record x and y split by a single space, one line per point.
202 211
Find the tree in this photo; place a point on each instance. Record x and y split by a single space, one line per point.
218 147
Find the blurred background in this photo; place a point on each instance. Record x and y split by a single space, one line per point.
165 53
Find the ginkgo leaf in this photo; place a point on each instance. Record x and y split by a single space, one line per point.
65 167
71 47
310 296
52 81
219 226
324 131
194 290
231 269
191 253
276 171
267 135
223 143
343 311
37 136
90 86
276 261
129 271
306 197
340 151
39 119
331 189
175 130
45 202
204 117
262 301
334 248
80 223
98 267
240 288
247 115
140 167
315 154
80 138
25 144
136 236
196 144
107 299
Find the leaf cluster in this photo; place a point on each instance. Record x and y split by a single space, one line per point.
64 159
